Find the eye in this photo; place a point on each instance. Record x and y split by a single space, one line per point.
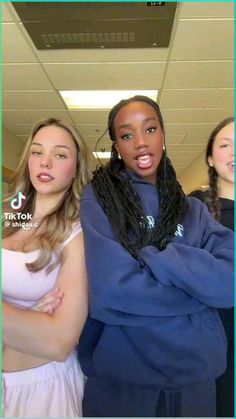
60 156
35 153
126 136
224 145
151 129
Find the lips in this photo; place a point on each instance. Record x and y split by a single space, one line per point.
44 177
144 161
231 166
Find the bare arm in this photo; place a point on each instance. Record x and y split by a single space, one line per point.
53 337
49 302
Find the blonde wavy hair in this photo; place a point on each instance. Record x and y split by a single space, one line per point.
56 226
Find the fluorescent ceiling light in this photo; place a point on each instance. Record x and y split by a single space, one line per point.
102 154
100 99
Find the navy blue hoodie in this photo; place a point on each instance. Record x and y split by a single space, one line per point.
153 321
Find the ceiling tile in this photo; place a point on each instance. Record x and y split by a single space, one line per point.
103 55
6 16
227 79
200 132
221 97
178 129
217 36
23 138
85 116
21 129
174 139
92 129
196 74
31 117
11 10
195 139
207 9
180 115
214 115
31 100
186 98
183 155
186 147
24 76
106 76
14 46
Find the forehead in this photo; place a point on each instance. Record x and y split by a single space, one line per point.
53 135
226 132
135 110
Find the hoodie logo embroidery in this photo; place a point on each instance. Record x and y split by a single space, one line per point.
179 230
151 222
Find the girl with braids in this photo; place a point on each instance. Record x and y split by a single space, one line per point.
220 201
158 264
41 374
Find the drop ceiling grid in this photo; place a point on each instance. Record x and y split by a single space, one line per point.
197 88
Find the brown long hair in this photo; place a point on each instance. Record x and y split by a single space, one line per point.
213 197
56 226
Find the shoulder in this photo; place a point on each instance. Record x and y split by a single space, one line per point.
199 194
88 193
194 202
76 230
195 208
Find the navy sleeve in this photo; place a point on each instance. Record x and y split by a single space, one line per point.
205 273
122 289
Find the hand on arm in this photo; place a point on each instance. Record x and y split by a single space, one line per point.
53 337
49 302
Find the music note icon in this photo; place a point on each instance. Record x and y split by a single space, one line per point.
16 203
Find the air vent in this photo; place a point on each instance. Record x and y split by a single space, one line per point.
62 25
102 38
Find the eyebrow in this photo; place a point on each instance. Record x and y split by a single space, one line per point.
151 118
57 145
225 138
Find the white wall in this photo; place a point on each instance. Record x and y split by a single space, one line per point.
11 151
195 175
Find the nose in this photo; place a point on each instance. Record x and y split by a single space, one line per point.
140 141
45 162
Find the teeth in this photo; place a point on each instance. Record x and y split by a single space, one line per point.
144 159
45 177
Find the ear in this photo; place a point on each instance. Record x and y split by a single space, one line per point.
116 147
117 150
210 161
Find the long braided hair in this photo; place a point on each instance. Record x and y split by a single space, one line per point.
212 201
121 203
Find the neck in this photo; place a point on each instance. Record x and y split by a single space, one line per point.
44 204
226 189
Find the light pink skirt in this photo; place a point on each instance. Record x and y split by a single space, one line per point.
53 390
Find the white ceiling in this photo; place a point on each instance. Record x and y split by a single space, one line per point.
194 77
